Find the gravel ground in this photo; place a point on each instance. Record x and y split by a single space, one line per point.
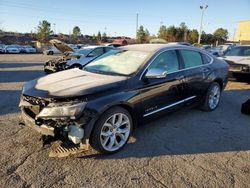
189 148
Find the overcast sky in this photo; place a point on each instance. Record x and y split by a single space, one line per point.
119 17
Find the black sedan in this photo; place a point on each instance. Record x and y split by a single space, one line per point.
104 102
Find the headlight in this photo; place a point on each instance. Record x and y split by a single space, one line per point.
62 110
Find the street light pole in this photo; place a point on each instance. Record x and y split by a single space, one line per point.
136 25
203 8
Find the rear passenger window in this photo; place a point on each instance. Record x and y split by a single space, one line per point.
206 59
191 58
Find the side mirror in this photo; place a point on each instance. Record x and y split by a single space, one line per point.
156 73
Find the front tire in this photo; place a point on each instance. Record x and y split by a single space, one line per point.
212 99
112 131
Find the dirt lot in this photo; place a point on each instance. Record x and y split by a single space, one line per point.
189 148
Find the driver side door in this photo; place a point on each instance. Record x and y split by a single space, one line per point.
163 94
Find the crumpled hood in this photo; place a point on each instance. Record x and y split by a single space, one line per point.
61 46
237 60
71 83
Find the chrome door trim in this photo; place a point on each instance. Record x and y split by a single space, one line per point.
168 106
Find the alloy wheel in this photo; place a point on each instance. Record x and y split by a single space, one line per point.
214 97
115 132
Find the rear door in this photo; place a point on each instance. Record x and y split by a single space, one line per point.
197 71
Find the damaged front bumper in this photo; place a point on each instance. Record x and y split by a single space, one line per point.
56 65
65 128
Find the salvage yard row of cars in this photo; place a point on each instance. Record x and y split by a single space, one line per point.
101 102
16 49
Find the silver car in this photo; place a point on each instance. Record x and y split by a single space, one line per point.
85 55
239 60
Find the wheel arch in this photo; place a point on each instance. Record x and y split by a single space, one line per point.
220 82
125 106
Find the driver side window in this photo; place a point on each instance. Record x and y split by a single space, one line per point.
97 52
166 61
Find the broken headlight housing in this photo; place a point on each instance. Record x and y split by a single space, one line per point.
62 110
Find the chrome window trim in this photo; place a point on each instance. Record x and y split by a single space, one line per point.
196 50
168 106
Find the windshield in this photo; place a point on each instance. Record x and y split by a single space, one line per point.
120 63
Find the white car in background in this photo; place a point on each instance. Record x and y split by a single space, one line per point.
28 49
238 59
51 51
86 54
59 47
221 49
2 48
13 49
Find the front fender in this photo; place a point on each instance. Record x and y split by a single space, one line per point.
94 109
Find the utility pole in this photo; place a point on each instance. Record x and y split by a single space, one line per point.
54 28
136 25
234 34
203 8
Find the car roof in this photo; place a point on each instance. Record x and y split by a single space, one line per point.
151 48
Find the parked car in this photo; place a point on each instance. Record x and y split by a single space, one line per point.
76 59
51 51
239 60
221 50
2 48
85 55
13 49
58 47
206 48
28 49
108 98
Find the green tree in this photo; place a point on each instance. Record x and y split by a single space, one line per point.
193 36
181 32
207 38
162 33
221 34
76 32
44 31
99 37
104 37
171 33
142 35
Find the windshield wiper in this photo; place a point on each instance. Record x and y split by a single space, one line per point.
104 72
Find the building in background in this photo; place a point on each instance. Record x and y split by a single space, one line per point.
243 32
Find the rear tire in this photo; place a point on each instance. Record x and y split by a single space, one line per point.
212 99
111 131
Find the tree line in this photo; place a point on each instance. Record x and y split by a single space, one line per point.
43 33
182 33
170 34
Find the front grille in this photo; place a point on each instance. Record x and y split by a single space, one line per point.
35 101
35 107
